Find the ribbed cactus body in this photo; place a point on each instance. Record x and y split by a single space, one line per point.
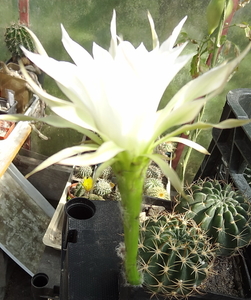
79 190
17 35
175 255
223 212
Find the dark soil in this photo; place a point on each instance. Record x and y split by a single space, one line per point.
225 279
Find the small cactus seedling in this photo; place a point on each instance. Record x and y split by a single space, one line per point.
16 35
79 190
154 172
221 211
157 192
102 187
175 255
152 183
83 171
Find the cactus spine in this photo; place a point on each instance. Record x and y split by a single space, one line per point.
17 35
223 212
175 255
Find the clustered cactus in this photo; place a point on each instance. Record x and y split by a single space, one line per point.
224 213
105 187
16 35
175 255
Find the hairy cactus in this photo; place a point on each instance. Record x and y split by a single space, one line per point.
83 171
158 192
220 210
175 255
17 35
107 173
102 187
165 149
154 172
152 183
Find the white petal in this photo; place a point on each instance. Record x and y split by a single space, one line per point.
61 155
154 34
105 152
170 42
184 114
63 108
189 143
167 171
207 83
37 43
79 55
113 43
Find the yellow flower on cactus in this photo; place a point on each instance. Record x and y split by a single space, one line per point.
113 98
87 183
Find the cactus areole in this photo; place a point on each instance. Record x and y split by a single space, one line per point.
220 210
175 255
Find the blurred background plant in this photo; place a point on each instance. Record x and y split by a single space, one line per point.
212 50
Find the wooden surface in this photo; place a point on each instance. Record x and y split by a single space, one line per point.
10 146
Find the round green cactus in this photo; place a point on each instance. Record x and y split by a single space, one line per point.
102 187
221 211
17 35
157 192
175 255
83 171
154 172
152 183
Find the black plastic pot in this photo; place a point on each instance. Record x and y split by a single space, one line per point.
90 266
230 149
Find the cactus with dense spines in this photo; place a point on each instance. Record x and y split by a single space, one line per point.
15 36
83 171
175 255
157 192
106 173
152 183
154 172
102 187
221 211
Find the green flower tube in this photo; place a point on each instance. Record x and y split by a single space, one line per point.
130 178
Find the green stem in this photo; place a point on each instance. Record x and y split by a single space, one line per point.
130 179
219 31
